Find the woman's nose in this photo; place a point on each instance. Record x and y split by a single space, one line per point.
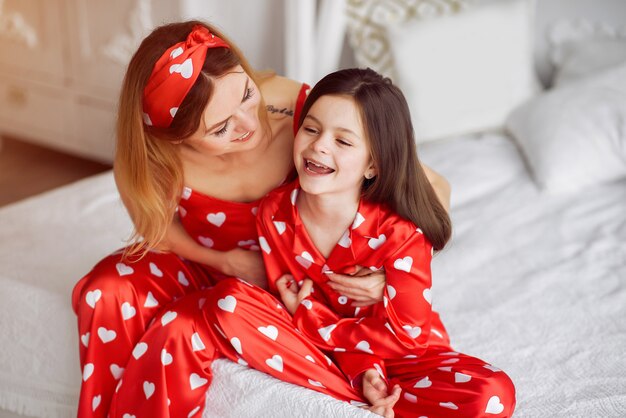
246 121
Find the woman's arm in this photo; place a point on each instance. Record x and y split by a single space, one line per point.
364 286
440 184
238 262
241 263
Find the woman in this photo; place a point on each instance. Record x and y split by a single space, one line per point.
196 148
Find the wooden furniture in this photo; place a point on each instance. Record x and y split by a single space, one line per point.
61 66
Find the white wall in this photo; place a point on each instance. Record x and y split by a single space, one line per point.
257 27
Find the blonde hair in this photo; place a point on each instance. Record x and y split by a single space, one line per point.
148 168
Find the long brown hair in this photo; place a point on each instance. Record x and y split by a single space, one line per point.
148 169
400 181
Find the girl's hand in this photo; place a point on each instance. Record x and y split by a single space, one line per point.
375 391
291 293
245 264
365 287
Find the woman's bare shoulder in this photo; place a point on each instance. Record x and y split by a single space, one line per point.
280 95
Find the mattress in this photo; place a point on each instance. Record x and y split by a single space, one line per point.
532 283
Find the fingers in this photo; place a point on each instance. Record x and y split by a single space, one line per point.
366 280
395 394
378 384
345 280
355 293
360 271
375 383
366 296
305 289
367 302
285 284
390 400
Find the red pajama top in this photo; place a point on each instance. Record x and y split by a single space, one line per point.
220 224
360 338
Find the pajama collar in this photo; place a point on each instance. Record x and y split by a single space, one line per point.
345 254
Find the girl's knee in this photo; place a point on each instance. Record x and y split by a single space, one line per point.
497 397
505 385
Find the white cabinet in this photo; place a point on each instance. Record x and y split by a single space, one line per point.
62 64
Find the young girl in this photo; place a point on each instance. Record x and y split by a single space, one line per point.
361 199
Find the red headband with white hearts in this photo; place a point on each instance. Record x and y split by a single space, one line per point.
174 74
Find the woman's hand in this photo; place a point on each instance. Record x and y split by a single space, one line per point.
375 391
365 287
291 293
245 264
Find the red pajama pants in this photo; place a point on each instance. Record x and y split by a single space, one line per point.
115 303
249 326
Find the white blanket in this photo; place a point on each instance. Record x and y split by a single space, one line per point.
534 284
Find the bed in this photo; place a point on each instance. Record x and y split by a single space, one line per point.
533 281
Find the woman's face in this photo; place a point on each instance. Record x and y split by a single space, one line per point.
331 152
230 122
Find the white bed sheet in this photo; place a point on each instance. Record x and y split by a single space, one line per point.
46 244
534 284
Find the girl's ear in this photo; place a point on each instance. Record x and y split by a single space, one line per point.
371 171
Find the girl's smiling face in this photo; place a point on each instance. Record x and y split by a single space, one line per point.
331 151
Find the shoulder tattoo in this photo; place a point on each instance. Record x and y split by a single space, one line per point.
273 110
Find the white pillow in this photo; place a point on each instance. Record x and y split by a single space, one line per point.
368 20
580 59
465 72
575 136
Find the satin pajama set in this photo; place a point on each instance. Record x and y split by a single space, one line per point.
150 329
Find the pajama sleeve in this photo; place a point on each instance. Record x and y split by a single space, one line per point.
352 364
402 324
407 294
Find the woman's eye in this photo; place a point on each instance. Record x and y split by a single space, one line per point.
222 131
249 94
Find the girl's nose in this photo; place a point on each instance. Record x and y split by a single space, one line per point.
320 144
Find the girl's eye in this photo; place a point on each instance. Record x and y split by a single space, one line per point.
342 142
249 94
222 131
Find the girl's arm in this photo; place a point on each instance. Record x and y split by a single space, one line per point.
366 287
281 282
402 324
